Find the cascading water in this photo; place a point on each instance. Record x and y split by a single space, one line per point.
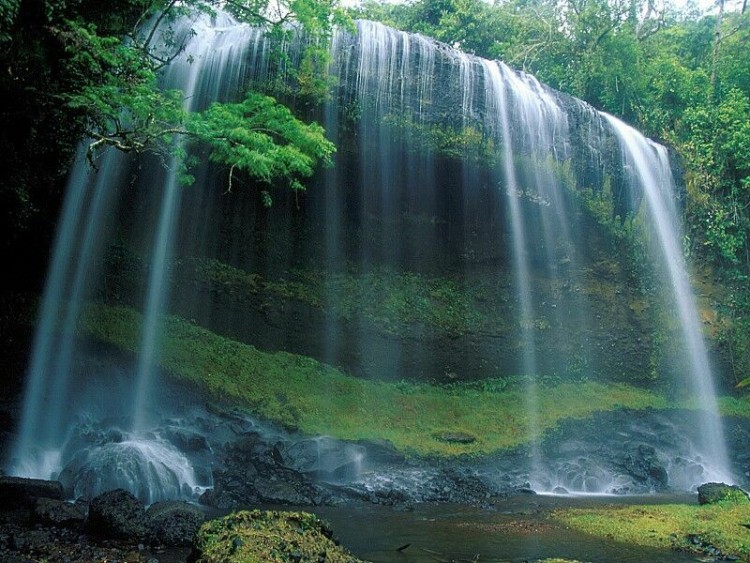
448 165
648 164
496 90
55 403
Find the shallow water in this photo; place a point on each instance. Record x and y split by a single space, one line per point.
515 529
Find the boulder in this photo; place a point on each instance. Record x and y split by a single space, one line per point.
18 492
117 514
265 536
174 523
54 512
381 451
711 493
455 437
642 463
187 440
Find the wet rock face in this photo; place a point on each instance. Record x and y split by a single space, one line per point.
114 527
53 512
642 463
323 457
304 472
118 514
254 472
630 452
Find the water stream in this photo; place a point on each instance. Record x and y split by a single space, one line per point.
515 531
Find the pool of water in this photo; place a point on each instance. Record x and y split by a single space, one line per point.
514 530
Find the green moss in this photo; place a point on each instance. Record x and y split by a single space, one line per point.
721 493
268 537
300 392
683 527
213 271
735 406
395 302
459 141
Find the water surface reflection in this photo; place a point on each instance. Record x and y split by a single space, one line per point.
516 529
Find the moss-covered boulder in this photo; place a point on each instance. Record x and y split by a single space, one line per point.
269 537
711 493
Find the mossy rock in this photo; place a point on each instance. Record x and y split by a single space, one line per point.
712 493
269 537
455 437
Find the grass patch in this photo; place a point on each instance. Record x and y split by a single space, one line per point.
676 526
735 406
300 392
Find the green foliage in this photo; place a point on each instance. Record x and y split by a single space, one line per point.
462 142
733 333
262 138
118 94
8 11
125 109
97 71
395 302
718 147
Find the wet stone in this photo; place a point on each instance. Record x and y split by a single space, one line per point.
53 512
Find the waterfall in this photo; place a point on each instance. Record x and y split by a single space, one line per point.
648 164
55 404
448 165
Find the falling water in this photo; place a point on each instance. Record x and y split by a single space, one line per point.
496 90
48 391
648 164
92 200
499 212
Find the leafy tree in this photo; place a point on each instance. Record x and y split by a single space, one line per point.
107 87
262 138
126 110
718 146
